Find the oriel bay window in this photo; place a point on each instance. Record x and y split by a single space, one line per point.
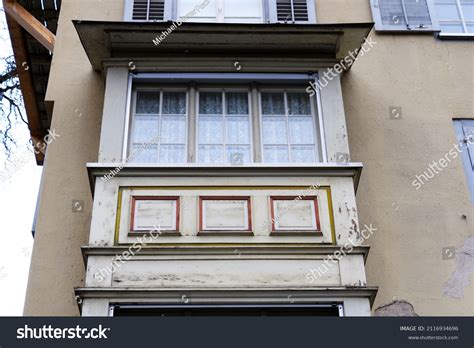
236 124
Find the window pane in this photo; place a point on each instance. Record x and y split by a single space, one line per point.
451 28
238 130
144 154
298 104
273 103
238 154
301 130
145 129
210 130
173 129
447 10
302 154
210 103
275 154
237 103
196 12
470 28
468 10
172 154
148 102
210 154
243 11
174 103
274 130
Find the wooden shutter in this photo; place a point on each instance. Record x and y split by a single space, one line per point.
146 10
292 11
404 15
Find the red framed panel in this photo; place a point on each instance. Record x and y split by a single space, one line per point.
225 198
154 198
295 198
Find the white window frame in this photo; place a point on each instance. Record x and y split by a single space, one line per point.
160 119
462 20
192 97
224 144
316 133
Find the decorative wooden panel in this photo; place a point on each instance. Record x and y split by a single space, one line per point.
294 213
150 213
225 214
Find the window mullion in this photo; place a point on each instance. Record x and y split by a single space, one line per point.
287 121
224 127
160 126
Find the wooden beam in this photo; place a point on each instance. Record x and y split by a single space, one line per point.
27 89
30 23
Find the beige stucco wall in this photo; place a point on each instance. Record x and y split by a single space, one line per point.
57 264
431 80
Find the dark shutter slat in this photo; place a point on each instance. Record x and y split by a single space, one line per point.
288 10
142 10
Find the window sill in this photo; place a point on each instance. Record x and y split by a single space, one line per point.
103 171
456 36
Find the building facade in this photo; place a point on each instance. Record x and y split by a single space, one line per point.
210 159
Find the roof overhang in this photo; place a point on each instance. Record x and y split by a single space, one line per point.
104 41
32 25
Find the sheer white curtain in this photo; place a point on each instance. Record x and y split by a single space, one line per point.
224 127
288 127
159 127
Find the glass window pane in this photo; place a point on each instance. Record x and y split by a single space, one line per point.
237 103
302 154
451 28
145 129
210 103
195 11
143 153
238 154
210 154
447 10
238 130
243 11
148 102
301 130
470 28
210 130
172 154
273 103
275 154
274 130
173 129
468 11
174 103
298 104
